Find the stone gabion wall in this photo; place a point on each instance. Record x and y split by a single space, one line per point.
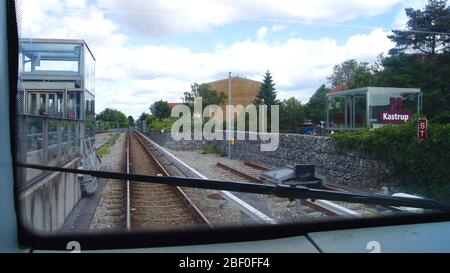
350 168
166 140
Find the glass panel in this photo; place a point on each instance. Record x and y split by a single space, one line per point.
143 78
360 102
42 104
89 71
65 141
34 146
51 105
410 101
32 102
336 112
382 101
348 112
71 66
74 130
74 104
88 106
52 142
90 128
50 57
60 106
78 105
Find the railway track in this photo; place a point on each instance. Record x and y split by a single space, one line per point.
155 205
325 207
363 209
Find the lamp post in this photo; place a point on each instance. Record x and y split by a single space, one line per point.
229 116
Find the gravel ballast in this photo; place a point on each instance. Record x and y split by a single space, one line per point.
280 209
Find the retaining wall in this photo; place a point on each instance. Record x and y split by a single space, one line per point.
46 204
350 168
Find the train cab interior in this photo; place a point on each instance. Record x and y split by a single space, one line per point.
47 134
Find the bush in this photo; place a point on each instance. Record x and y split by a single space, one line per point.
420 167
156 125
212 149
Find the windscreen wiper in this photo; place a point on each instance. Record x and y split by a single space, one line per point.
281 190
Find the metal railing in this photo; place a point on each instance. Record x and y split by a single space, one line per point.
110 126
47 140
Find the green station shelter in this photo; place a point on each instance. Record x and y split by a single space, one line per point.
371 107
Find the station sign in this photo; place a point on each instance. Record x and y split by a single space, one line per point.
422 127
395 114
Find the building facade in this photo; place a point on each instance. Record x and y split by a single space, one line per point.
55 123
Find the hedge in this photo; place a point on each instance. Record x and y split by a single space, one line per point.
420 167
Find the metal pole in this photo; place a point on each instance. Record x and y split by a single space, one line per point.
229 116
128 184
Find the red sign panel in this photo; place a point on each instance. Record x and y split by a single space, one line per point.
422 129
395 114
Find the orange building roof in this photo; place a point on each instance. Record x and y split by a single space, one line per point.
173 104
340 87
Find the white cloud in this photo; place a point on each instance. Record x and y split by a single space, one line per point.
291 62
363 46
130 77
277 27
298 66
165 17
162 17
261 33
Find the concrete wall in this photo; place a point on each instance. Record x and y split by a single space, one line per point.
46 204
351 168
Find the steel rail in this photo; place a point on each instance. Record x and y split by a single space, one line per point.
277 190
318 207
186 200
256 166
239 173
187 170
128 185
328 208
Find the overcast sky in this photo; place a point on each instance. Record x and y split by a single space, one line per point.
149 50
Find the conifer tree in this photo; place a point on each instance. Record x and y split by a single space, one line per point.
267 93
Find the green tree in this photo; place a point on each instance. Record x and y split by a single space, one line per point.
160 109
143 116
315 108
427 30
131 120
352 73
291 115
267 93
204 91
421 59
113 115
430 74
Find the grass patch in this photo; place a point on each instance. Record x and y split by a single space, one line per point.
105 148
157 125
211 149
